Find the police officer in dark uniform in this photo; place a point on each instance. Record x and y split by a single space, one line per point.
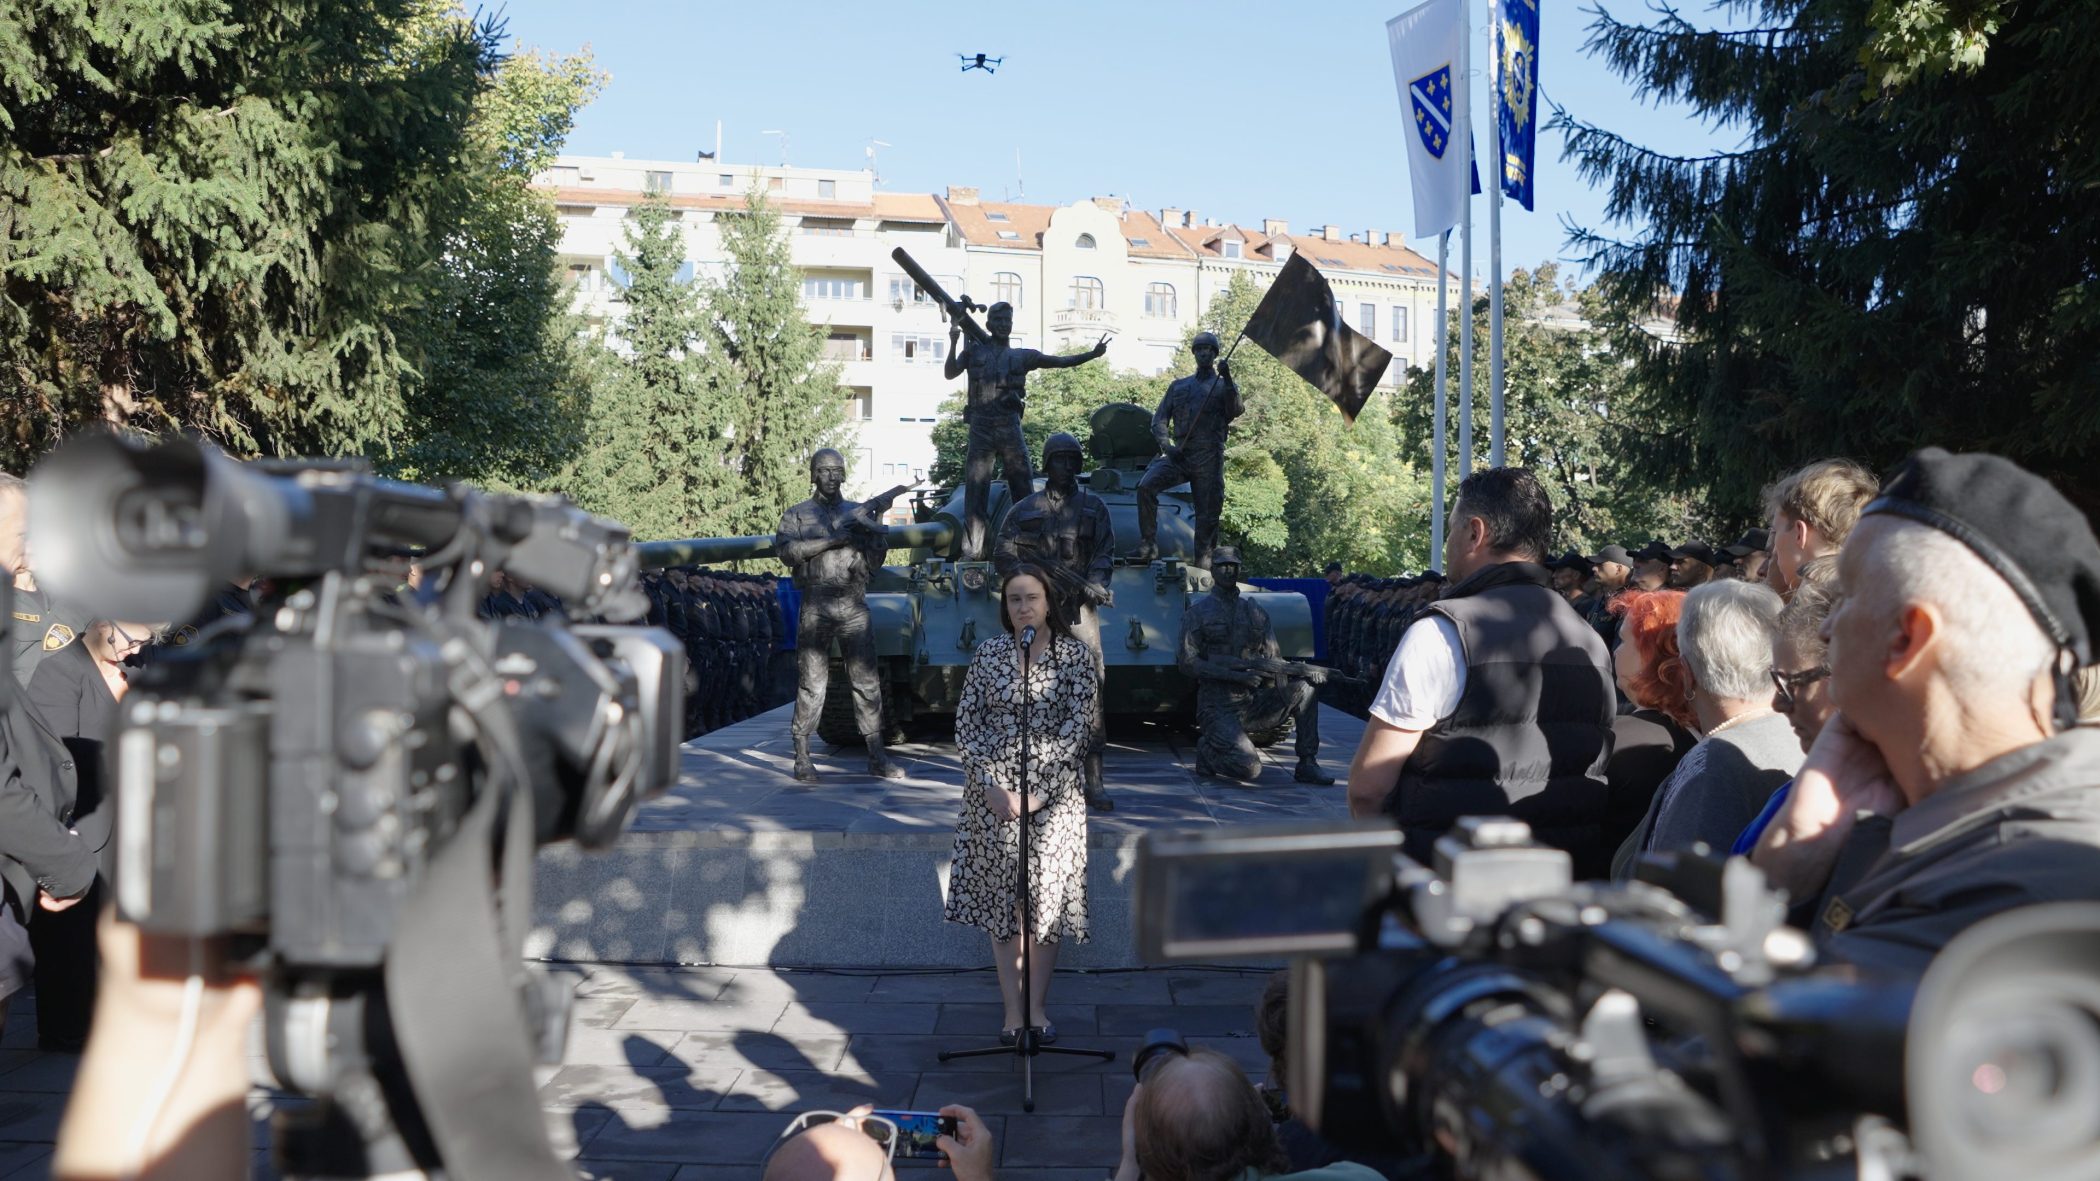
40 625
1217 631
1191 425
1065 530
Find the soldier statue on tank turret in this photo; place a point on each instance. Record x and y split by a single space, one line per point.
1065 530
992 409
1229 648
1191 424
831 545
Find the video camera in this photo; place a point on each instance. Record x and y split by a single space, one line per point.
1494 1018
345 786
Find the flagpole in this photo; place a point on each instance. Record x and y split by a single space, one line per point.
1495 244
1443 349
1462 131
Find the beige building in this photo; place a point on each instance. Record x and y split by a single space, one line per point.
1073 273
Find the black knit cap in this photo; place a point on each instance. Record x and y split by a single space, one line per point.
2021 527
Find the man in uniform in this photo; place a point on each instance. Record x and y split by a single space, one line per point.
831 545
1651 566
40 627
1065 530
1218 633
997 394
1190 425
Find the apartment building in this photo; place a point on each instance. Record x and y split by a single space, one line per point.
1073 273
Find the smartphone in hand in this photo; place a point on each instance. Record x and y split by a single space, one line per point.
918 1132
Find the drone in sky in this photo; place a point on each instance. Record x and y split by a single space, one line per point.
979 61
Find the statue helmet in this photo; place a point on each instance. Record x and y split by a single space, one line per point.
821 454
1059 444
1225 555
1204 338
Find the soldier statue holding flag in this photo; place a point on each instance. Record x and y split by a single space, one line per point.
1191 424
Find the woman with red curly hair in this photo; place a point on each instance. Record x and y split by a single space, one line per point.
1648 742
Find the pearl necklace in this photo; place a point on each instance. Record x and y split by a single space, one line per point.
1740 718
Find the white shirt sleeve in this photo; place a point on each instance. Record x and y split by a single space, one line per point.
1425 678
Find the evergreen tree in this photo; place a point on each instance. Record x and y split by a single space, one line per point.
213 217
766 364
1902 251
656 451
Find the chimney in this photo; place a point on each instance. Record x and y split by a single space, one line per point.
1112 204
1331 233
1397 241
962 194
1193 220
1358 238
1274 227
1169 216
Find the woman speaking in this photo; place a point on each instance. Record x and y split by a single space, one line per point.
1044 688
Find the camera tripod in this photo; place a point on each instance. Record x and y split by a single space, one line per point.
1027 1044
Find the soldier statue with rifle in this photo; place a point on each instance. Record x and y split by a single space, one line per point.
1065 530
1190 425
831 545
1229 648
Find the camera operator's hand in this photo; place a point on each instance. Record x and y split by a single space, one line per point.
45 901
1843 776
1127 1168
124 1119
970 1151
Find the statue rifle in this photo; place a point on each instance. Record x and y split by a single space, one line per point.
957 310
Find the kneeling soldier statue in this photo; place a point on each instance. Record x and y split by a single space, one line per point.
1228 646
830 545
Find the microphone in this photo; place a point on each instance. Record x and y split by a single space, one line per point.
1027 638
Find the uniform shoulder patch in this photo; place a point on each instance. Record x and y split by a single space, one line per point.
57 636
1837 916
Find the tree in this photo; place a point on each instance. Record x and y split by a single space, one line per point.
1058 400
218 224
657 449
1566 404
1900 252
765 364
499 398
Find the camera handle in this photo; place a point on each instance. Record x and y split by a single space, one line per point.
1026 1044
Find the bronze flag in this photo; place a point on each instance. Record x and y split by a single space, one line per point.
1299 324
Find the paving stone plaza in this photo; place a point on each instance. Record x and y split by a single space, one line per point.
758 947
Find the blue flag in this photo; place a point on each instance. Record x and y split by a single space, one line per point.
1516 99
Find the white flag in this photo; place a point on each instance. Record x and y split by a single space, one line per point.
1427 42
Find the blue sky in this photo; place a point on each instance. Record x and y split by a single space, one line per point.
1238 110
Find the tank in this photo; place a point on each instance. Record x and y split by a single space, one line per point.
929 611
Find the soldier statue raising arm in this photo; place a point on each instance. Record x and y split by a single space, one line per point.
1191 424
997 394
1229 648
830 545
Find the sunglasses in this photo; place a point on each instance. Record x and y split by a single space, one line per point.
880 1129
1786 685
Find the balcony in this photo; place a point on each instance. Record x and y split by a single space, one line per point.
1084 320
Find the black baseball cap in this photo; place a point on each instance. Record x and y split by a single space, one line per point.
1749 543
1573 560
1612 553
1698 551
1656 550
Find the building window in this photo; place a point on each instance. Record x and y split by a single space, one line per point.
1141 243
833 287
564 174
846 346
1159 301
860 404
656 182
1229 249
995 216
575 210
1009 235
583 277
1006 288
616 275
726 180
1085 242
1399 323
827 188
684 274
903 290
1087 293
918 348
1367 320
775 184
827 227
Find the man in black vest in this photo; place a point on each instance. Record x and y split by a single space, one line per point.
1498 700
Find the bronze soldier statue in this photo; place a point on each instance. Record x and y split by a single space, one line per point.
1190 425
1065 530
1228 646
830 545
992 409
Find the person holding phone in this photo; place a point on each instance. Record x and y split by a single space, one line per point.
1039 677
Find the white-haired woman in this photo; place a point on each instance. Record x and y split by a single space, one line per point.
1746 749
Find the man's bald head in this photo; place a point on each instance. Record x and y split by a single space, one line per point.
830 1152
1198 1117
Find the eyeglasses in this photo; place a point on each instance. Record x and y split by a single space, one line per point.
881 1129
1786 685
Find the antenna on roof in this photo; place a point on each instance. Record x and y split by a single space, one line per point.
1019 183
872 145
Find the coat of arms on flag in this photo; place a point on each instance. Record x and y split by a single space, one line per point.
1430 95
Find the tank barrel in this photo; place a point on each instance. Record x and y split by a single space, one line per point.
704 551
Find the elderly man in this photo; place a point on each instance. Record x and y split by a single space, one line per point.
1951 785
1812 511
1498 700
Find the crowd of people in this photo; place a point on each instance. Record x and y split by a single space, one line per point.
732 626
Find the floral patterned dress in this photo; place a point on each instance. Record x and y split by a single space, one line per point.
1062 695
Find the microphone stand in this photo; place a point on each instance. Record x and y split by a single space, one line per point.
1026 1045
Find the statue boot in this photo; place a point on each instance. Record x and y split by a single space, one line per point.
879 764
1096 795
805 771
1309 772
1143 551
